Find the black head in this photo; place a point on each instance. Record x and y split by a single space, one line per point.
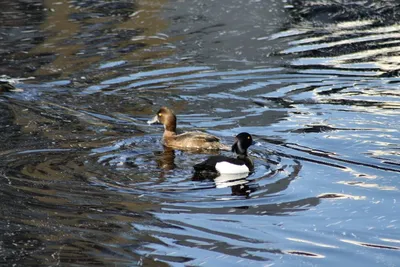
242 143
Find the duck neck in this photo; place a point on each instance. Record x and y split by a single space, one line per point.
170 125
168 133
170 129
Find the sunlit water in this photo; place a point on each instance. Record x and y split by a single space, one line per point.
85 181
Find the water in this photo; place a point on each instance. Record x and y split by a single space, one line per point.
85 181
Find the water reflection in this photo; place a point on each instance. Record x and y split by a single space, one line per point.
70 39
85 181
57 217
238 183
166 159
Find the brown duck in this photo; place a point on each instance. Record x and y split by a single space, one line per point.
187 140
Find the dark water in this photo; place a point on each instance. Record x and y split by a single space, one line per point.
85 181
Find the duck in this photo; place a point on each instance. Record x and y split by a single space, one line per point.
224 165
188 140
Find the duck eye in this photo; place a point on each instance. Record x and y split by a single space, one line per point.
248 137
160 114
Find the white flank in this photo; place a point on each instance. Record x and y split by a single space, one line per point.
226 167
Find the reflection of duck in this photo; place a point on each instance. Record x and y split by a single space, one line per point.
166 159
244 189
227 165
229 180
238 183
188 140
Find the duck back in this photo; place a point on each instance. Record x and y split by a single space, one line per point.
194 140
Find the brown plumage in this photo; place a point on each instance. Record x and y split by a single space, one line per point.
188 140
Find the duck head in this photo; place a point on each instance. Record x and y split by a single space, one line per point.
242 143
166 117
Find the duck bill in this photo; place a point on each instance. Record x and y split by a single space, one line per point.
153 120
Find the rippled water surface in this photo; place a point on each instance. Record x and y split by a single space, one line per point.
85 181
